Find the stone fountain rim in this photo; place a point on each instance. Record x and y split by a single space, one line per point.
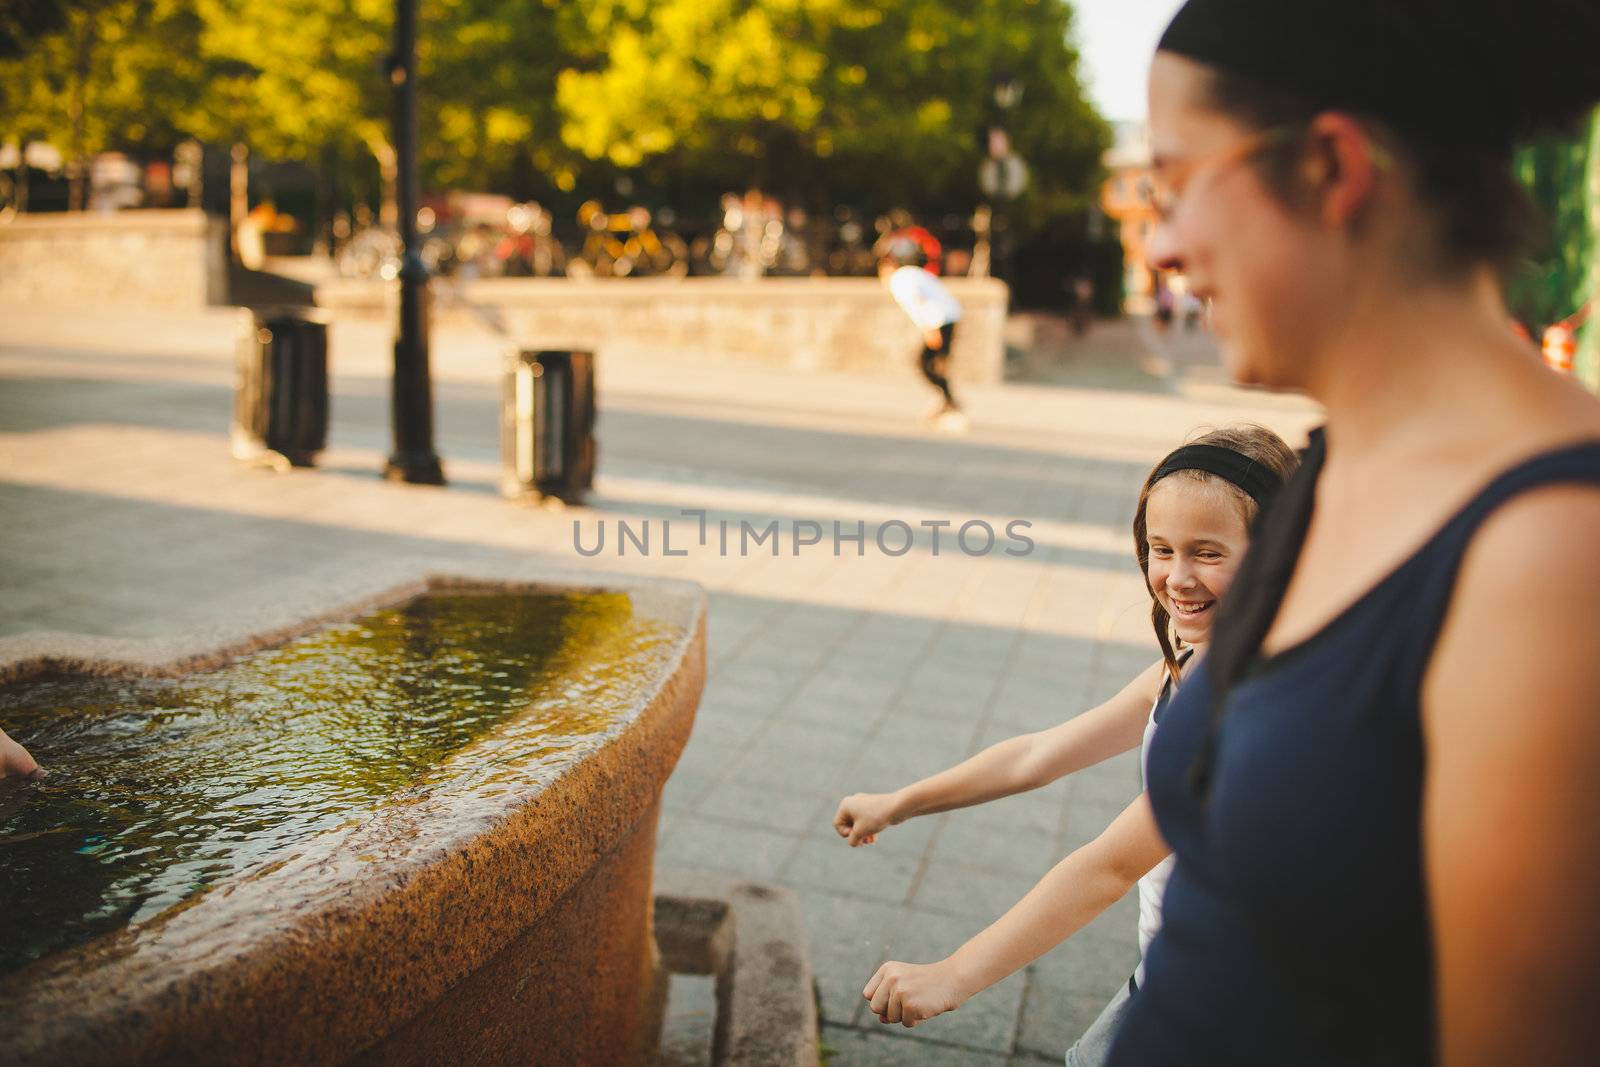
103 995
42 652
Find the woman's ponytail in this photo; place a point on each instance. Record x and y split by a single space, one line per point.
1246 613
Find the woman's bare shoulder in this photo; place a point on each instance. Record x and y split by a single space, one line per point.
1552 529
1523 604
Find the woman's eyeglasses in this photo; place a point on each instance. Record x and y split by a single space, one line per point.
1168 179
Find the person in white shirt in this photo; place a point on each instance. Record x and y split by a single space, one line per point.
931 306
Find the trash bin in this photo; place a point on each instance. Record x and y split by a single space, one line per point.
547 418
280 396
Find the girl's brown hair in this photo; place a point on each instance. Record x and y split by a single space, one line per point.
1255 443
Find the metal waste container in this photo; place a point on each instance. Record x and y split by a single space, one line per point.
280 396
547 418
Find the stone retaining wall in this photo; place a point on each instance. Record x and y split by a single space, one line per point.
835 324
154 259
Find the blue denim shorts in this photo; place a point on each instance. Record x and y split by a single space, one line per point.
1094 1047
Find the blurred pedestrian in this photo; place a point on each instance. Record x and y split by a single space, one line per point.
903 227
1193 309
1380 785
1166 302
1082 304
935 311
252 233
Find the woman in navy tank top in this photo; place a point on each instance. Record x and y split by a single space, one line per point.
1382 786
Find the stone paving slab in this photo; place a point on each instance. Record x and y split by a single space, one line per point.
121 515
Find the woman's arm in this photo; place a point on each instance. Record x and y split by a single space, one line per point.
1014 765
14 759
1511 804
1076 890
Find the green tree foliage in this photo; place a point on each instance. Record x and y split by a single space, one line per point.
884 100
877 102
300 74
488 75
24 21
114 74
1562 174
290 76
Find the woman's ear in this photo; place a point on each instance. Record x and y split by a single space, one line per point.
1340 167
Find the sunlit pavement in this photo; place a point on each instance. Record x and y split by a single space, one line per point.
123 515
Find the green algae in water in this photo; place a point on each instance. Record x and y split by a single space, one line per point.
159 788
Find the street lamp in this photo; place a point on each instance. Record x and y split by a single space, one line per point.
413 459
1002 175
1007 90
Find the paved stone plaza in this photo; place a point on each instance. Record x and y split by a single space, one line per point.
122 515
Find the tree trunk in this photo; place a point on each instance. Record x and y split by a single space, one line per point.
822 224
388 177
327 200
77 172
238 191
22 178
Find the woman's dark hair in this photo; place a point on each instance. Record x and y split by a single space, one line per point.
1253 442
1451 89
1482 212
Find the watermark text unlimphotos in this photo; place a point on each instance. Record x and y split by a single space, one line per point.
776 537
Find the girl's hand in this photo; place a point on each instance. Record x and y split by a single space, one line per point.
861 816
934 339
14 760
908 993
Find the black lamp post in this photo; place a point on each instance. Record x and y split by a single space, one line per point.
413 459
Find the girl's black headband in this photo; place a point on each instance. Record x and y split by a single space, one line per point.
1258 482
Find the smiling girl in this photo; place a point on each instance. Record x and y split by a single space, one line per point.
1190 531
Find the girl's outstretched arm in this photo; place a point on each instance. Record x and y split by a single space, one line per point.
1076 890
1014 765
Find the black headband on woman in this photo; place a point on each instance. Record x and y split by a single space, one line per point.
1257 481
1475 76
